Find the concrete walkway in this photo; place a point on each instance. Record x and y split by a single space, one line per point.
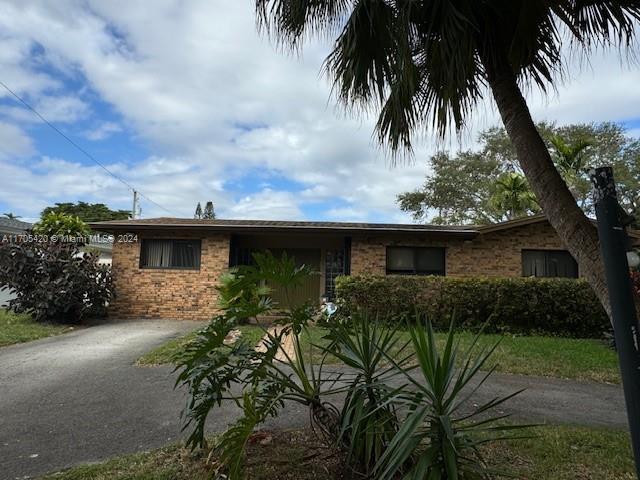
286 352
79 398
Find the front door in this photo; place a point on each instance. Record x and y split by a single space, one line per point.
309 290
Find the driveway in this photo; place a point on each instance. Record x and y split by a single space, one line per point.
78 398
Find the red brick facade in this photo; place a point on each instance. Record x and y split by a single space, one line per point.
191 294
492 254
164 293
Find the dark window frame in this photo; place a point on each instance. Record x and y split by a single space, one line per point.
195 241
547 254
442 272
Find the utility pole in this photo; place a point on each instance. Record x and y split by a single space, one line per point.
134 210
613 247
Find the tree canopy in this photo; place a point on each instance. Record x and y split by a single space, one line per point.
461 186
88 212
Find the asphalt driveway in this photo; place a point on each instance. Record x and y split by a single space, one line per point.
79 398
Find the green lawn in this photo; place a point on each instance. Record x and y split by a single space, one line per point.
557 453
526 355
21 328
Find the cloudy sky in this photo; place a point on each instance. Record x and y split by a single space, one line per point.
187 102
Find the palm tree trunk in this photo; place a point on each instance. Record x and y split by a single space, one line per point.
575 230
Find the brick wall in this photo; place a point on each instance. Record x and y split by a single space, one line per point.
492 254
163 293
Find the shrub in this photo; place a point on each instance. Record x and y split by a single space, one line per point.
54 281
560 307
61 224
395 423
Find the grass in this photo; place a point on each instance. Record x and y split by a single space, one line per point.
557 453
577 359
19 328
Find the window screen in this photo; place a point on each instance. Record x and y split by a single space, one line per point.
415 261
178 254
548 263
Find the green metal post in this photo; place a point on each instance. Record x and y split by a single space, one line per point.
613 242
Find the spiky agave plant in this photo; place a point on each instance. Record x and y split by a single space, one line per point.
440 437
369 418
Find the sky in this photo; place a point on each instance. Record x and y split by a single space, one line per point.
187 102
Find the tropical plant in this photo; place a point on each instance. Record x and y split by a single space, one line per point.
11 216
266 378
54 281
570 159
513 196
369 418
371 427
440 437
423 64
62 225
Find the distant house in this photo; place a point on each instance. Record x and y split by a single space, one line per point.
9 228
169 267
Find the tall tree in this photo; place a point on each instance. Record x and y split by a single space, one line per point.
458 190
428 62
198 213
458 187
208 211
11 216
513 196
87 212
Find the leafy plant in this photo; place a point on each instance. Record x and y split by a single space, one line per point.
369 418
439 438
547 306
258 381
54 281
61 224
392 423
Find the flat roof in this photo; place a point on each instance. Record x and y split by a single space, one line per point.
284 226
238 226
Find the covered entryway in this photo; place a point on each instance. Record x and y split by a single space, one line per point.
309 291
326 256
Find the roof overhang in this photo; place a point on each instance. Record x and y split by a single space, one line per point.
335 229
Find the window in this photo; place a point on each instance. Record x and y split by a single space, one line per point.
548 263
415 261
179 254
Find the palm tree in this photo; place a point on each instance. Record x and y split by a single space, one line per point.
11 216
569 158
427 63
570 161
513 196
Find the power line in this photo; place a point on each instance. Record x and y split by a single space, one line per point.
82 150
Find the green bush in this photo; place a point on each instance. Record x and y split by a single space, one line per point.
54 282
559 307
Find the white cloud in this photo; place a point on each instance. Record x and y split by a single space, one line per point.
14 143
102 131
266 204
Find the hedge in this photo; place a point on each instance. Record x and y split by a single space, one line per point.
558 307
